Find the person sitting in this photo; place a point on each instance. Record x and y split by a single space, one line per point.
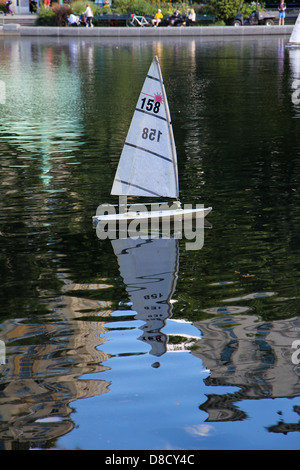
175 18
192 16
157 18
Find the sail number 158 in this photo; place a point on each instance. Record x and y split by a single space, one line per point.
151 134
150 105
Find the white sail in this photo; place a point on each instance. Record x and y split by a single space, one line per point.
295 36
148 163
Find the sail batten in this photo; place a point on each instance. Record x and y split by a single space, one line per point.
126 183
149 114
149 152
150 135
153 78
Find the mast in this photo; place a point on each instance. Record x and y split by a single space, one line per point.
174 152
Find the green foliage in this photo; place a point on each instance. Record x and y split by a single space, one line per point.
184 7
61 14
46 17
203 9
139 7
146 7
79 6
104 11
2 7
248 8
226 9
143 7
58 14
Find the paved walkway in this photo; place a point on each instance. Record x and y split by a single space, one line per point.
25 20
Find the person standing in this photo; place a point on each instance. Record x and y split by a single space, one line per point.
281 15
8 9
89 16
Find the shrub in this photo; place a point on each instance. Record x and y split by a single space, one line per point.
61 14
56 16
104 11
139 7
79 6
142 7
248 8
202 9
225 9
46 17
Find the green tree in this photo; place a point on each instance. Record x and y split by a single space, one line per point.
226 9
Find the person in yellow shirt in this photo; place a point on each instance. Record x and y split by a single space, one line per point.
157 18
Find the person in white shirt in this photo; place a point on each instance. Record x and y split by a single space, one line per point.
192 16
73 20
89 16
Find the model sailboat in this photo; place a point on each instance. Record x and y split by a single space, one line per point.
295 36
148 163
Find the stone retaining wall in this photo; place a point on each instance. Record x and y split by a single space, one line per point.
160 32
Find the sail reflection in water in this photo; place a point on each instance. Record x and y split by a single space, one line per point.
294 55
149 268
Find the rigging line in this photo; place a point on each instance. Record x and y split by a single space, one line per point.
149 151
138 187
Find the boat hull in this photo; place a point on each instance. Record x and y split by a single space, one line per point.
167 215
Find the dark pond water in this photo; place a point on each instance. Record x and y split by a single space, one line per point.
85 361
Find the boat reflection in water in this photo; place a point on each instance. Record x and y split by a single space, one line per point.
294 56
149 268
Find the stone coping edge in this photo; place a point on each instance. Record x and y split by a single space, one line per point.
15 29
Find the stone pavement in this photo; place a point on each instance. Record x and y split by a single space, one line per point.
24 20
